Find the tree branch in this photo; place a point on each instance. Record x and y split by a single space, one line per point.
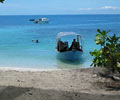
1 1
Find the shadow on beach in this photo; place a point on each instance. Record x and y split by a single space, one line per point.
20 93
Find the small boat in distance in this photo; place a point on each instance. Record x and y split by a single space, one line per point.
42 20
72 52
32 20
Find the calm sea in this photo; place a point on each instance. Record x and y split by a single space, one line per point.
17 33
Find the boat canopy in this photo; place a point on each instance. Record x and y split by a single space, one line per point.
61 34
43 19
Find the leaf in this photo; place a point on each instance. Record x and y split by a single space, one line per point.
109 53
98 39
98 30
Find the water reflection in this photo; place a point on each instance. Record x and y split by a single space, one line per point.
62 63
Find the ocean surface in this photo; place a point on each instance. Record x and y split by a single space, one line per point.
17 33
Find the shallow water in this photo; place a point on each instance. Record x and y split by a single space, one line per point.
17 33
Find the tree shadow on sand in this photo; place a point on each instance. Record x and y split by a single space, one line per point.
11 92
109 86
110 83
19 93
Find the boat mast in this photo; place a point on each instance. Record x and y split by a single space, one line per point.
77 38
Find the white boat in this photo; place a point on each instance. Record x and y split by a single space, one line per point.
42 20
72 52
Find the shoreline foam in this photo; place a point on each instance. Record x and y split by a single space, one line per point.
25 69
39 69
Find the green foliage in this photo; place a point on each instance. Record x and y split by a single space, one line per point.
109 53
1 1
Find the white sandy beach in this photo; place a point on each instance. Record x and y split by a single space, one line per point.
75 84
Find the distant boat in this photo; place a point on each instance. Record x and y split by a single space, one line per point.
32 20
72 53
42 20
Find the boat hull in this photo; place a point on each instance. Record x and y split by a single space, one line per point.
43 22
70 55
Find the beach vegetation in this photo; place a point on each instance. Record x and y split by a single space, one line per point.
108 55
1 1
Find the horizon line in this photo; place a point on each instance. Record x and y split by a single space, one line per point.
51 14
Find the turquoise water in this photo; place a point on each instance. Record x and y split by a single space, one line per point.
17 33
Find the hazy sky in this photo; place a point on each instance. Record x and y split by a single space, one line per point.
40 7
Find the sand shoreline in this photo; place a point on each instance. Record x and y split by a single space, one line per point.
57 84
26 69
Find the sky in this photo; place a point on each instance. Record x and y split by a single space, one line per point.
56 7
